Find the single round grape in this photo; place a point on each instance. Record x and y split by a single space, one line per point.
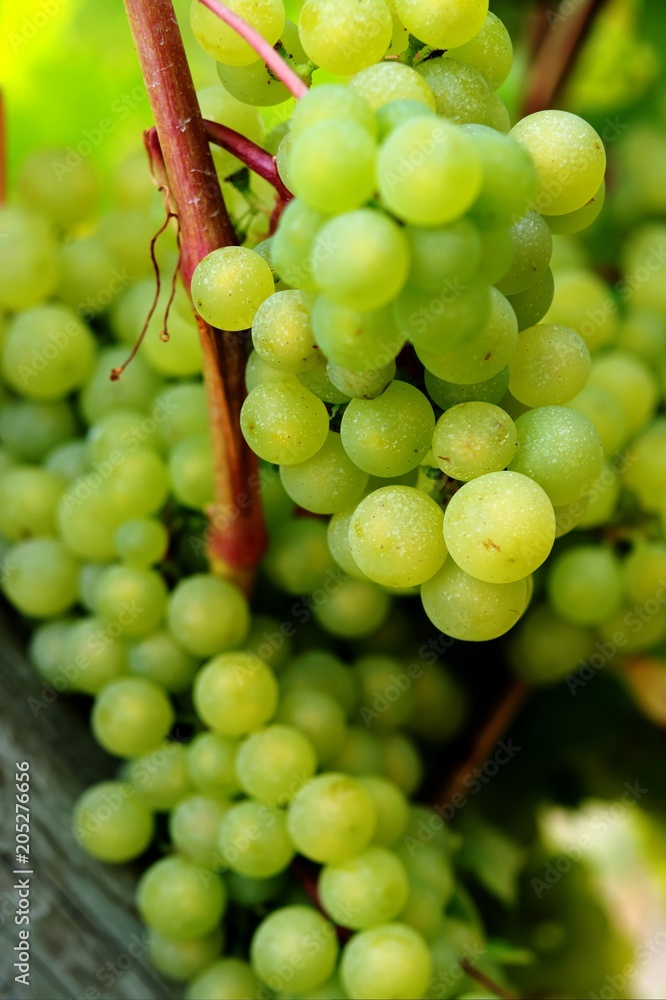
294 949
644 335
533 304
362 385
223 43
500 527
137 484
253 840
332 818
338 543
450 253
465 607
546 648
86 522
235 693
319 717
391 81
255 83
89 280
402 762
29 499
134 598
318 382
179 900
298 560
141 542
532 252
430 862
28 258
159 658
207 615
293 242
131 716
582 218
631 383
270 639
124 432
211 764
182 960
112 823
444 320
386 961
603 409
365 890
64 193
585 585
490 51
30 429
472 439
257 371
96 654
193 826
392 808
274 763
282 333
644 571
160 777
355 609
40 577
48 653
361 754
192 473
390 116
362 341
551 365
283 422
320 670
570 159
48 352
134 391
389 435
584 302
332 101
509 180
462 95
218 105
332 166
344 36
326 483
497 251
227 977
440 23
447 394
229 285
68 460
381 679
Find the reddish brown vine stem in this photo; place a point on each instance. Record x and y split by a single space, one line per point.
253 156
487 982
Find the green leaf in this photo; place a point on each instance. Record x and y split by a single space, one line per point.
505 953
493 858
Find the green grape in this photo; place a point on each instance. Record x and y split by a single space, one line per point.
395 536
430 862
390 435
533 304
253 840
462 94
218 105
472 439
131 716
338 544
386 694
318 382
551 365
29 498
320 670
546 648
332 167
132 186
65 194
95 653
48 653
582 218
570 159
138 484
490 51
318 717
235 693
332 102
68 460
485 353
181 960
122 431
444 319
140 593
228 977
355 609
428 172
468 608
644 335
443 25
498 115
532 251
361 754
193 826
159 658
253 84
390 116
181 355
298 560
343 36
326 483
40 577
360 260
440 706
450 253
179 900
361 341
229 285
370 888
257 371
270 640
601 407
207 615
497 252
88 577
602 500
585 303
253 891
391 81
48 352
569 515
559 449
86 522
386 961
585 585
447 394
181 412
89 280
28 258
645 467
282 333
211 765
392 808
192 473
274 763
631 383
30 429
141 542
332 818
223 43
133 391
423 909
283 422
362 385
293 243
645 571
112 823
161 778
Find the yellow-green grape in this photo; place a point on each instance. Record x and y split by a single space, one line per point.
291 249
235 693
402 762
440 707
645 467
384 704
532 251
443 24
112 823
138 484
332 101
361 385
95 653
423 909
361 341
229 285
332 818
391 81
89 280
585 585
224 44
326 483
65 194
546 648
318 717
389 435
462 95
509 177
28 258
570 159
643 282
602 408
367 889
394 114
645 571
225 977
332 165
48 653
159 658
282 333
631 383
283 422
192 473
207 615
218 105
86 523
255 83
533 304
193 826
131 716
582 218
385 961
602 500
560 449
468 608
211 765
48 352
294 948
447 394
392 808
253 840
497 252
355 609
134 391
644 334
298 560
584 302
490 51
338 543
176 901
361 753
428 172
257 371
40 577
450 253
67 461
446 318
182 960
29 499
274 763
317 381
395 536
160 777
551 365
344 36
141 591
569 515
500 527
320 670
30 428
472 439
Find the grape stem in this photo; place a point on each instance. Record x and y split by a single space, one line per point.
253 156
236 538
486 981
266 53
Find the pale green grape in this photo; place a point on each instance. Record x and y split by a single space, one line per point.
211 764
140 593
229 285
192 473
253 840
257 371
292 245
282 333
317 381
181 355
490 51
391 81
332 101
582 218
255 83
440 705
446 319
645 571
533 304
89 280
546 648
645 467
86 521
183 960
273 763
332 818
221 42
386 961
137 484
362 385
462 94
193 826
112 823
450 253
254 891
570 159
298 560
207 615
218 105
559 449
361 341
500 527
402 762
141 542
127 233
387 700
644 335
120 433
392 808
320 670
361 754
532 251
423 909
395 536
48 352
28 258
131 716
326 483
29 498
283 422
365 890
551 365
603 409
235 693
95 653
499 116
361 259
428 172
332 166
160 777
231 978
159 658
440 23
343 36
31 428
585 585
497 252
133 391
180 901
68 460
64 193
584 302
390 116
338 543
295 948
40 577
468 608
48 653
601 501
430 862
355 609
88 577
318 716
631 383
472 439
270 639
447 394
389 435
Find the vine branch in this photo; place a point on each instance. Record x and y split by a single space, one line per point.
486 981
253 156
